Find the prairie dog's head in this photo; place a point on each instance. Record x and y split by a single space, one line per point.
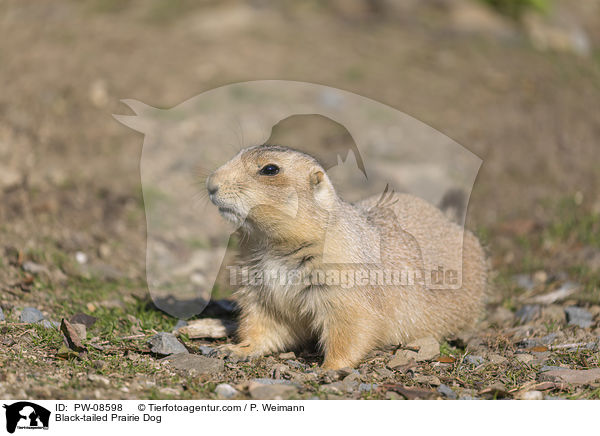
277 190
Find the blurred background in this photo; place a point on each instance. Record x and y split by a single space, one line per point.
515 81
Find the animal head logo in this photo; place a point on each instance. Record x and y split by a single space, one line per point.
26 415
187 239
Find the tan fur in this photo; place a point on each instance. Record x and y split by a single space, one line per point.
295 222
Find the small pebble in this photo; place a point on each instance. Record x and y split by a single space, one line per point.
447 392
285 356
532 395
528 313
525 358
296 364
551 368
366 387
33 268
81 257
548 339
81 331
165 344
49 324
524 281
31 315
225 391
579 317
207 351
2 318
474 360
95 378
496 358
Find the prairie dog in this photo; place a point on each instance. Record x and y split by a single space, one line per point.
298 230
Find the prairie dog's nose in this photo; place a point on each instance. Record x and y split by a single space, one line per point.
211 186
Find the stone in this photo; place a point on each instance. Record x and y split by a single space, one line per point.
99 379
271 381
525 358
171 392
81 257
296 364
579 316
391 395
554 313
351 378
8 341
474 360
81 331
104 251
285 356
429 348
33 268
261 391
207 351
549 338
427 379
528 313
552 368
496 358
495 390
531 395
2 318
563 292
344 372
367 387
49 324
71 337
527 343
402 358
166 344
85 319
30 315
447 392
524 281
336 388
384 372
572 376
209 328
225 391
195 364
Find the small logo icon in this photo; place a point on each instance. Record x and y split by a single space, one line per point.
26 415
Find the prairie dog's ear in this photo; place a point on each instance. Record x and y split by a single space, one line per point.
323 191
316 178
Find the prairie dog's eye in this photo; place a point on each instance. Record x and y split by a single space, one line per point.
269 170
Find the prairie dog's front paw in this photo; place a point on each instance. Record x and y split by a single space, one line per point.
243 349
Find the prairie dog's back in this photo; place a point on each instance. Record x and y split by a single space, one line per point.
444 308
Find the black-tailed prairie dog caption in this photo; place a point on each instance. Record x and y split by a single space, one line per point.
299 236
